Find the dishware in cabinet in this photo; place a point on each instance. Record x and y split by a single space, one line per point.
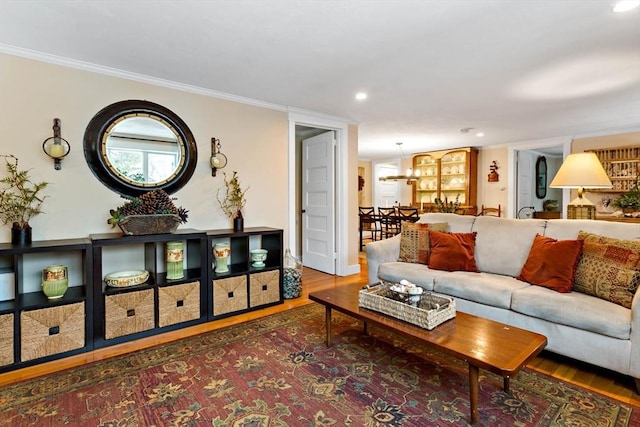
35 328
446 175
245 285
622 165
134 296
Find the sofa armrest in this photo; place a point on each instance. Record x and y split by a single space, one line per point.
381 251
634 369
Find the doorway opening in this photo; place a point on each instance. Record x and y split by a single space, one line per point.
522 180
303 126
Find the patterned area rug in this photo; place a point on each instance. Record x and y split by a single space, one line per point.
277 371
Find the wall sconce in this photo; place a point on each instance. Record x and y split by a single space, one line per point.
218 160
56 147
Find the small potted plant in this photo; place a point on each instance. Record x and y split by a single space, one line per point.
233 201
20 200
629 201
447 206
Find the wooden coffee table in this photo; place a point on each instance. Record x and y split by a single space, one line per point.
482 343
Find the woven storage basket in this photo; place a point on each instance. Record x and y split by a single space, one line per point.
264 288
229 295
6 339
432 310
128 313
136 225
51 330
179 303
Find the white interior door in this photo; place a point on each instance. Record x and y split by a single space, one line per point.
387 192
318 202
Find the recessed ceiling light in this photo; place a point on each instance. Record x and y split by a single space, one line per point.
480 134
625 5
361 96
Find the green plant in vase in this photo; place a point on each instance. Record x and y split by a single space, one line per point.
447 206
233 201
629 201
20 200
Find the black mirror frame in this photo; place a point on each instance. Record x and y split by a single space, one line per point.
101 122
541 177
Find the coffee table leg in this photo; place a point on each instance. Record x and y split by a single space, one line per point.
473 392
327 313
506 384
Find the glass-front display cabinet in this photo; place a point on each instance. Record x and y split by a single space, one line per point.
448 175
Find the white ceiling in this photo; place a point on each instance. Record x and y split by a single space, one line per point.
517 70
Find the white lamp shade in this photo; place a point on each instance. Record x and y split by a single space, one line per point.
581 170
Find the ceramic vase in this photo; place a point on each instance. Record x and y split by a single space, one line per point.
258 257
20 236
175 256
221 253
55 281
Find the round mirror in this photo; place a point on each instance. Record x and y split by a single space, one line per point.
136 146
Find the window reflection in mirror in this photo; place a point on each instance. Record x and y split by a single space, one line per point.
143 149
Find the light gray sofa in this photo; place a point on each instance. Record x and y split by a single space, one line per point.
577 325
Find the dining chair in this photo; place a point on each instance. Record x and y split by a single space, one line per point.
490 211
408 213
389 223
368 223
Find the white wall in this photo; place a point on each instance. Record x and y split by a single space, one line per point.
33 93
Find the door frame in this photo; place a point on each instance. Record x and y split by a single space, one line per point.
340 191
513 149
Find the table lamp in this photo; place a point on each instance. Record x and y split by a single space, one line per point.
580 171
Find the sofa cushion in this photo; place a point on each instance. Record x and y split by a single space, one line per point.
452 251
597 238
457 223
419 274
414 241
608 268
574 309
552 263
502 244
569 228
484 288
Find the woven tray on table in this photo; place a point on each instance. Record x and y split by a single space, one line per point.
430 311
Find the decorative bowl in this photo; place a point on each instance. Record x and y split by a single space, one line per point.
55 289
550 205
123 279
258 257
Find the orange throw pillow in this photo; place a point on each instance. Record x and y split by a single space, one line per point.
552 263
452 251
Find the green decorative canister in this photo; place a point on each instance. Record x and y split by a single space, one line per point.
55 281
292 280
221 253
175 255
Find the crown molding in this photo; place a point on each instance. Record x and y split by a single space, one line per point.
142 78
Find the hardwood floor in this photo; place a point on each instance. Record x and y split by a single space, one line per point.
608 383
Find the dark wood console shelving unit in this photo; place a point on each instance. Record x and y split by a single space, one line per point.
33 328
97 316
125 314
244 288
